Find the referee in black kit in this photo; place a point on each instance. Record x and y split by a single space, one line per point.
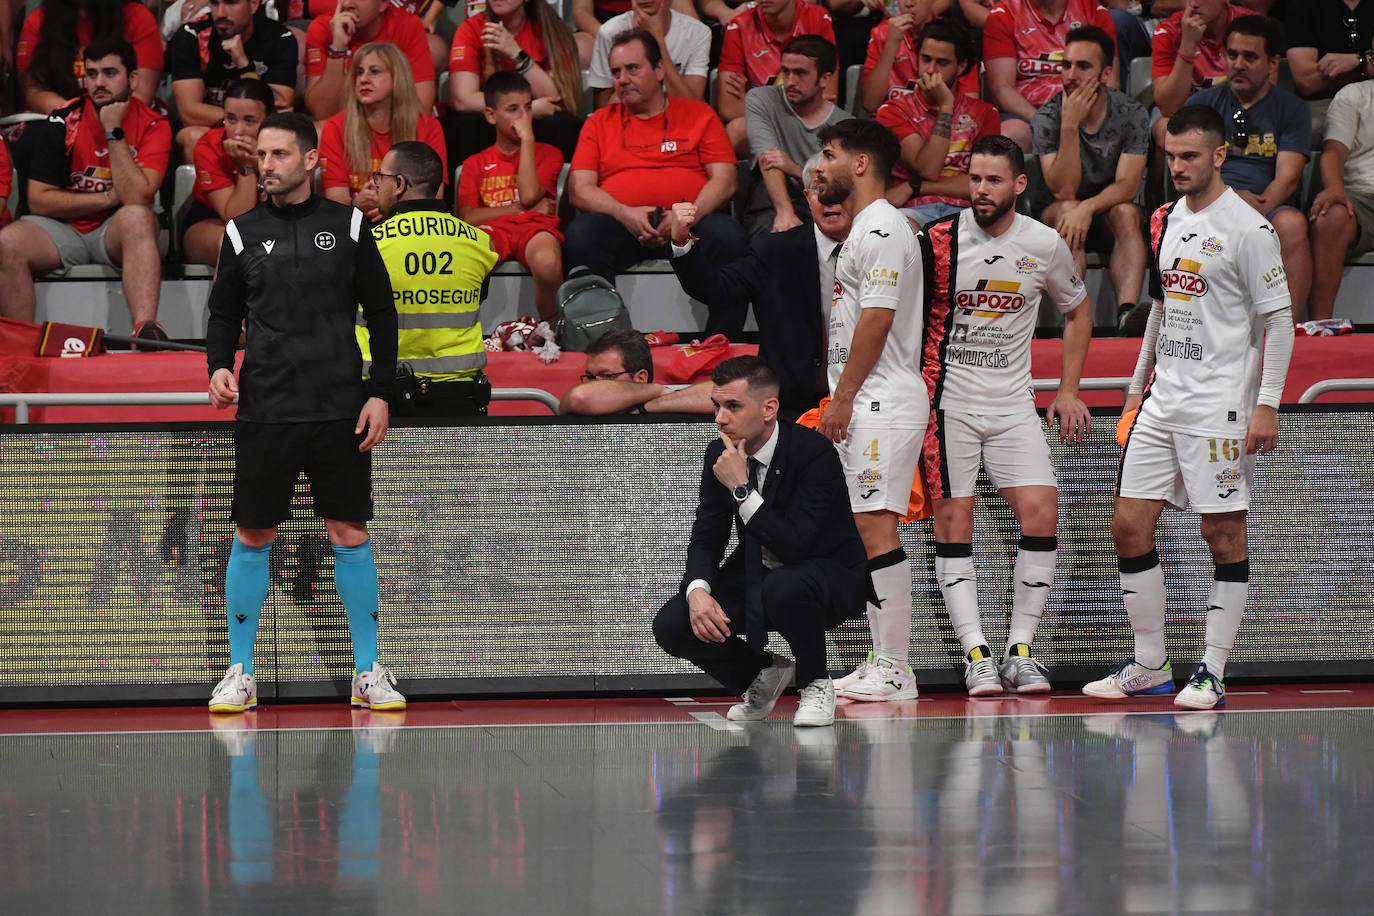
293 271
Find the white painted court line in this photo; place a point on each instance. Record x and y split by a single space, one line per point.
1326 691
715 720
1106 709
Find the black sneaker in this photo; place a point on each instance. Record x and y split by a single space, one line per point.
1131 320
149 330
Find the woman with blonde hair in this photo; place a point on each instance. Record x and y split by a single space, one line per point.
382 109
526 36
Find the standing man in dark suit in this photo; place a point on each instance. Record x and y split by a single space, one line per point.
800 566
790 278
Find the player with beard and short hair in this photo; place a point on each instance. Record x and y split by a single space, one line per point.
1200 406
878 401
988 274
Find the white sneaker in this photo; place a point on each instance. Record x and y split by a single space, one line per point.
235 692
883 682
376 689
817 706
981 678
1204 690
854 676
1132 679
1023 674
762 695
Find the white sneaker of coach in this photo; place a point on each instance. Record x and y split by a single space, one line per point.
762 695
817 705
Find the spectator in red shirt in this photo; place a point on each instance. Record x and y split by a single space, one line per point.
639 156
937 126
526 36
6 182
511 189
1189 55
893 48
751 54
333 39
226 160
96 167
50 57
383 109
1023 53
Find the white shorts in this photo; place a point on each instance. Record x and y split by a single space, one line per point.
880 466
1011 447
1212 473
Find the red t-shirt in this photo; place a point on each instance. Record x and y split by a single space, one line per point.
214 168
1016 29
1210 67
749 46
905 65
70 151
466 53
907 113
6 181
334 153
653 162
140 30
489 177
404 30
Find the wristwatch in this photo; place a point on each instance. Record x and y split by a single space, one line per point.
112 135
741 492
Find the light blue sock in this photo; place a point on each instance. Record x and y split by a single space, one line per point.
246 583
355 576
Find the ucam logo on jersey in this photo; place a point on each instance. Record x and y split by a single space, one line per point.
991 298
881 276
1274 277
1182 281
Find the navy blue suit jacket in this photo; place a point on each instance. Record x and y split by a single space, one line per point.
805 519
780 275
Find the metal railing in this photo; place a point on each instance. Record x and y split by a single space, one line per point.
1326 386
1110 383
23 400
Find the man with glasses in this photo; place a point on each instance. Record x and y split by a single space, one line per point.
1330 45
619 378
1269 135
438 266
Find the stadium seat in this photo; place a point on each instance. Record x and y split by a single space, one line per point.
852 74
1140 82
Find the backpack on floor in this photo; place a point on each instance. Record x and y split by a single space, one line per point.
588 306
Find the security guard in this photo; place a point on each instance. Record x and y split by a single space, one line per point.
437 264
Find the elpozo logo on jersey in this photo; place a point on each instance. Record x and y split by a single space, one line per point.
1182 281
991 298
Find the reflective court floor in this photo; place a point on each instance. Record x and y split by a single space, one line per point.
661 806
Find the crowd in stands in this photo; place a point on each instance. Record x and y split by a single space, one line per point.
648 104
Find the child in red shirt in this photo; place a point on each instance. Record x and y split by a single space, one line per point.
510 189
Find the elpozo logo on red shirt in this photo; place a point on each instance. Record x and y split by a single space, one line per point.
1182 281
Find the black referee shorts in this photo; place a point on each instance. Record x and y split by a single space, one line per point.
269 457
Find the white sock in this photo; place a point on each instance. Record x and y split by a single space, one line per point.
958 582
1142 589
1032 575
889 620
1225 608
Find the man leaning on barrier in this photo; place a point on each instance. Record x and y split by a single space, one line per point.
437 264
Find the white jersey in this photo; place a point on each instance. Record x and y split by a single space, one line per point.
984 304
1218 273
880 267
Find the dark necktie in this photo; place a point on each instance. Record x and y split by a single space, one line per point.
755 628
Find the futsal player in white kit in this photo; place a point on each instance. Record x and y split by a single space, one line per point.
878 401
1219 340
989 268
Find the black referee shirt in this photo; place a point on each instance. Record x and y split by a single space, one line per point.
296 276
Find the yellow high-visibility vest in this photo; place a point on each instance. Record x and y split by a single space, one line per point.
437 264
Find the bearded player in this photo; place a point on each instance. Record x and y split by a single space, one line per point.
878 402
990 266
1219 339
